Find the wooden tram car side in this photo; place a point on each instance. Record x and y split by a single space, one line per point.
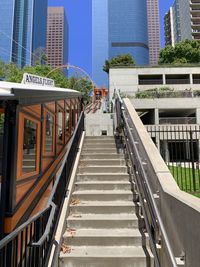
36 124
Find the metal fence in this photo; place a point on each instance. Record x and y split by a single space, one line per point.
30 244
180 148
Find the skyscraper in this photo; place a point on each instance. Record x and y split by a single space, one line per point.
118 27
169 28
22 30
153 31
57 37
183 21
99 41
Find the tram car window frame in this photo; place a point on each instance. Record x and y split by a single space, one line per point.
22 146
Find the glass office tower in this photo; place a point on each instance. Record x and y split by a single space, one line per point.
22 30
99 41
128 29
119 27
6 29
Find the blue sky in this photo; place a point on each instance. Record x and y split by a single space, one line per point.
79 18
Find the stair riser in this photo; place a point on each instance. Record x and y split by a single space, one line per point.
99 162
108 224
102 209
81 187
101 156
94 177
29 163
103 262
100 150
29 156
97 138
102 169
99 145
104 197
28 169
103 241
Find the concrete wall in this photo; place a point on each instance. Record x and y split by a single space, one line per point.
126 79
180 212
166 103
96 123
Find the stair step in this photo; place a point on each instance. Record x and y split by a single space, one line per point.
99 145
103 195
107 207
104 256
99 138
102 221
102 162
102 237
101 156
100 150
103 185
29 156
28 162
102 169
103 177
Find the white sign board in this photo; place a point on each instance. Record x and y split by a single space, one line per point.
37 80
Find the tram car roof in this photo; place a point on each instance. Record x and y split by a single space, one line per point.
25 93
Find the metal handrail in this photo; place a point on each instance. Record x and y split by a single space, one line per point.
13 234
47 228
153 209
50 201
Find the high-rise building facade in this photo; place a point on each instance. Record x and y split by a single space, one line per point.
184 21
169 28
118 27
22 30
195 18
57 37
99 41
153 31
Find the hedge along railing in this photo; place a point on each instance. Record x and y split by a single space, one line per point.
163 93
30 244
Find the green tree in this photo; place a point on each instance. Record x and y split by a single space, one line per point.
12 73
119 61
187 51
82 85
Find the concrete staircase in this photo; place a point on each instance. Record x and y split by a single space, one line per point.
102 227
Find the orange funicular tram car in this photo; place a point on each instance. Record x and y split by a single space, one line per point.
38 127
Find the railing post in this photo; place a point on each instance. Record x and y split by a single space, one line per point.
192 159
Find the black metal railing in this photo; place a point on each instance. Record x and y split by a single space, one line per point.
149 209
180 148
178 120
29 245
